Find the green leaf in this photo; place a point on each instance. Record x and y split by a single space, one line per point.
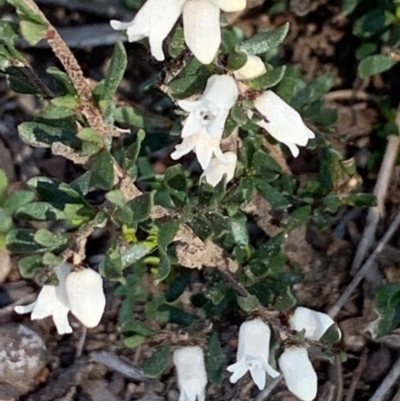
248 303
41 211
141 206
156 364
376 64
92 136
239 230
178 285
388 309
373 22
102 171
33 32
22 240
214 359
236 60
138 327
3 183
49 239
272 195
176 184
285 300
17 199
43 135
269 79
30 265
202 227
298 217
25 11
115 71
348 6
265 41
191 80
111 266
166 233
62 82
134 341
135 252
131 154
164 266
177 44
56 192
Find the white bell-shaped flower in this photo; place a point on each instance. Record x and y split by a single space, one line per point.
216 169
86 296
282 121
253 353
200 18
253 68
203 128
52 302
314 323
191 371
299 374
154 20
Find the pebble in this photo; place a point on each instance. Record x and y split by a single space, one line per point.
23 355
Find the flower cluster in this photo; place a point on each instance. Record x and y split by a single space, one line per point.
201 24
80 292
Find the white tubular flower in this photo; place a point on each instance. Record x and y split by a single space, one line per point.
216 169
299 374
200 18
282 122
192 376
86 296
253 68
154 20
202 29
253 353
52 302
314 323
203 128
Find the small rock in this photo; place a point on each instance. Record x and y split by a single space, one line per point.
23 355
5 265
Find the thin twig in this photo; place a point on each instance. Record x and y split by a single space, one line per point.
81 342
339 378
362 272
356 376
380 191
350 94
390 380
269 389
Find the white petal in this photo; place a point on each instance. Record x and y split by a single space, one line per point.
253 68
61 291
204 151
44 303
220 91
216 169
270 370
86 296
238 369
299 374
294 149
191 371
155 20
186 146
60 318
21 309
258 376
254 338
120 26
189 105
230 5
314 323
282 121
202 29
217 125
192 125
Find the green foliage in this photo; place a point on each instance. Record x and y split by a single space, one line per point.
156 364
